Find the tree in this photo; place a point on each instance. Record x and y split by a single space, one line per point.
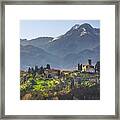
29 70
33 71
48 66
59 73
41 70
36 69
97 67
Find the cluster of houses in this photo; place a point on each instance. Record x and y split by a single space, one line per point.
48 72
56 73
89 68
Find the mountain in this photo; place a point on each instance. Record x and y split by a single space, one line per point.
37 42
66 51
77 39
72 59
31 56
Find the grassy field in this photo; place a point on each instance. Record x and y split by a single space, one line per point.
73 86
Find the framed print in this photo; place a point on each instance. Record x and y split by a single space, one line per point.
60 60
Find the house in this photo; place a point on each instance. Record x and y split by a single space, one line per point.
52 73
86 68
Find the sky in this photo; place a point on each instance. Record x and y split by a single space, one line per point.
30 29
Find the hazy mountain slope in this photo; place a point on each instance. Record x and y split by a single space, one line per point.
31 56
71 60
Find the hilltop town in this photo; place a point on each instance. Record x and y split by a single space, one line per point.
43 83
